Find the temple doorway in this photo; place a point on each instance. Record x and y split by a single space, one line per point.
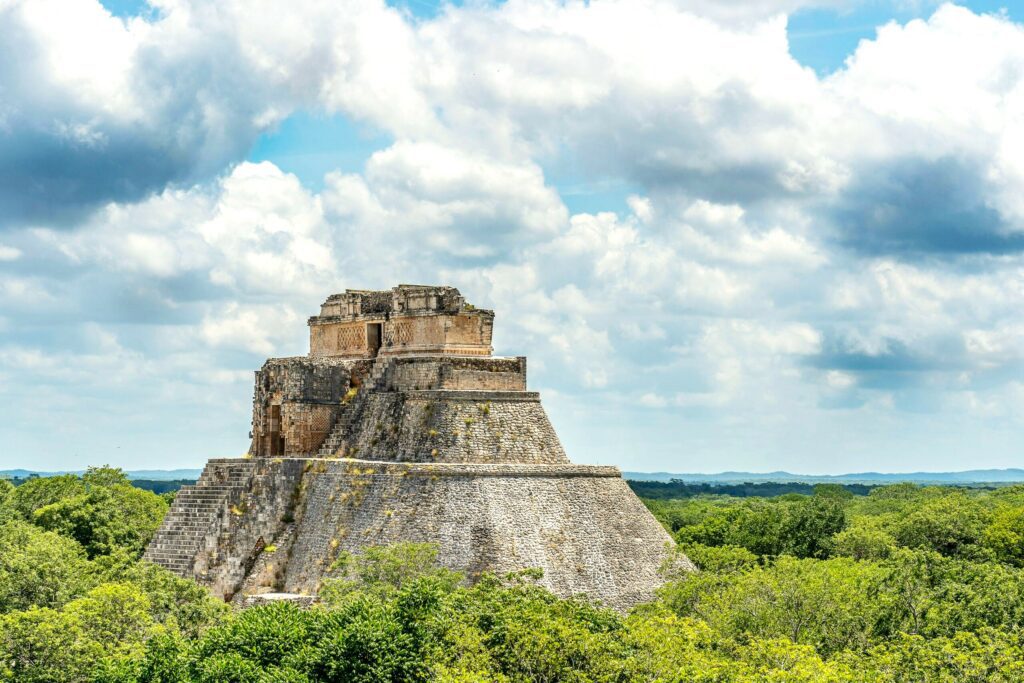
276 437
373 335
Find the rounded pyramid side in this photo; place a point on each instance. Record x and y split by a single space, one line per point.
582 525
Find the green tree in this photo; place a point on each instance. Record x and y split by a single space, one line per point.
662 646
177 603
105 517
1005 535
39 568
780 659
116 616
721 559
825 604
760 528
987 656
42 491
810 524
947 525
257 644
41 645
7 511
532 636
105 476
864 539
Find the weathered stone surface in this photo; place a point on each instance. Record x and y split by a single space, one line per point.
270 598
581 524
350 452
406 319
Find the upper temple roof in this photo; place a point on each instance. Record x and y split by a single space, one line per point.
403 320
409 299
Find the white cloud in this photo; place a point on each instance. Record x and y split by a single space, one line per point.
259 329
256 229
788 244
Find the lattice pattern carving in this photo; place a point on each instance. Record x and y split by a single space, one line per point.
319 422
352 337
403 332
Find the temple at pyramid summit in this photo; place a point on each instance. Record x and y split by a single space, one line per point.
400 425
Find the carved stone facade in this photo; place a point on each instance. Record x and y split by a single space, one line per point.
424 437
409 319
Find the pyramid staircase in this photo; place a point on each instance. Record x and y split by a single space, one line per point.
196 512
352 412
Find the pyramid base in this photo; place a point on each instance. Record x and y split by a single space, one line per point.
582 525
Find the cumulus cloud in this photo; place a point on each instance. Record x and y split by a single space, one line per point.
795 253
445 202
939 103
99 109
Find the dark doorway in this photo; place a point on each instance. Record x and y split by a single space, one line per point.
276 437
373 334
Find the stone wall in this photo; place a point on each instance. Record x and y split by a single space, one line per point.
282 522
581 525
429 372
296 401
346 339
256 517
455 426
465 333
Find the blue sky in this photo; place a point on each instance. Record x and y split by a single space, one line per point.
761 235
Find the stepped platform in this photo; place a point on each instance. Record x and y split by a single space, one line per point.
400 426
197 513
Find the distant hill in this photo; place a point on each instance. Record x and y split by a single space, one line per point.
966 477
152 475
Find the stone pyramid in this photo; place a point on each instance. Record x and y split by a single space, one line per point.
401 426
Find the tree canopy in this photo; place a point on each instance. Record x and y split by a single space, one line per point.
903 584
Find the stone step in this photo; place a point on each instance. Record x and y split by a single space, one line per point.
182 569
199 523
172 554
202 496
191 521
182 532
192 513
177 549
169 559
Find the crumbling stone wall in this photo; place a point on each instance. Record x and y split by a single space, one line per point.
296 401
254 518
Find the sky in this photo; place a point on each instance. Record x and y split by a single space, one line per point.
757 235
